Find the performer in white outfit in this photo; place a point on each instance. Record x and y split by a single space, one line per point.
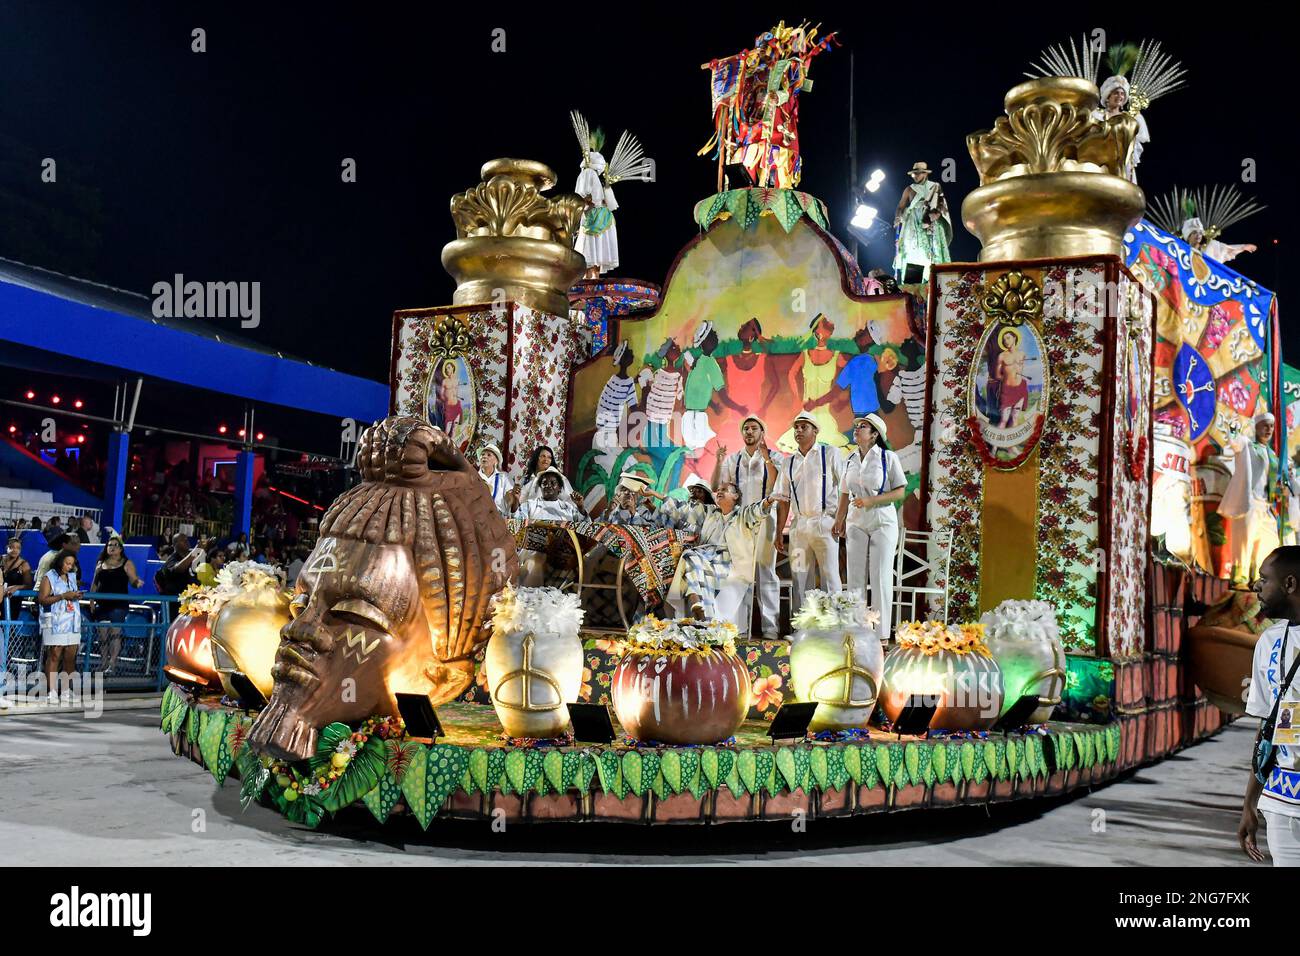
597 239
498 482
1248 501
808 488
715 574
1198 237
548 506
1114 102
873 481
754 471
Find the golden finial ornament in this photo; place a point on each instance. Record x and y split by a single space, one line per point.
1051 175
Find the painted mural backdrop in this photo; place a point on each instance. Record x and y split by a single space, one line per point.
755 320
1214 359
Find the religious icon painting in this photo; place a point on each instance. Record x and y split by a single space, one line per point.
1008 394
450 398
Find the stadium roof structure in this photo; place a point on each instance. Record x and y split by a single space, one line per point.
46 316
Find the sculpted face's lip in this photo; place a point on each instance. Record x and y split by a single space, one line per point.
292 666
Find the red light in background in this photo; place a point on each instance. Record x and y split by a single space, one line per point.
260 436
242 432
221 429
78 403
13 429
81 439
55 399
30 395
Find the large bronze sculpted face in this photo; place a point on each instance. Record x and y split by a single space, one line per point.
393 597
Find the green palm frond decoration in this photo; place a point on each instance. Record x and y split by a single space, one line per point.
1121 58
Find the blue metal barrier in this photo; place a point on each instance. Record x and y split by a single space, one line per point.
131 654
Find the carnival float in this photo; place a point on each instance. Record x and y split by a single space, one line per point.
1062 413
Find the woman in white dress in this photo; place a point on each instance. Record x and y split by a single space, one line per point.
873 481
59 598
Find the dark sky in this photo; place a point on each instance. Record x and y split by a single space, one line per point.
225 165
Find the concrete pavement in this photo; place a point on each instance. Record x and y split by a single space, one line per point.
77 791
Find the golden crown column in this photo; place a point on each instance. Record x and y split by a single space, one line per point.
1037 455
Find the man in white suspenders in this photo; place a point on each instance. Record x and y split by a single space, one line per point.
754 471
808 488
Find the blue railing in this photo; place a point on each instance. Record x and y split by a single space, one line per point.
130 654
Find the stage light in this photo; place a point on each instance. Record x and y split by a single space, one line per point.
78 403
13 429
877 177
863 217
30 395
81 439
242 432
221 429
260 436
55 399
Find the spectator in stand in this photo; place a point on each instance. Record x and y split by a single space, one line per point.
114 574
59 598
36 523
237 549
53 528
88 531
65 542
17 573
295 566
181 569
164 540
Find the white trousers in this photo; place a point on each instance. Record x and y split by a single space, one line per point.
1254 537
812 549
871 559
1283 838
766 583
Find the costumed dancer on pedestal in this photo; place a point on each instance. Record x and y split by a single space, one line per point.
705 379
808 489
923 225
874 481
754 470
1251 500
616 401
1201 216
1138 75
498 482
715 574
598 238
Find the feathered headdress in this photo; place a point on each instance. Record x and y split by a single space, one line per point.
1146 69
1215 208
629 160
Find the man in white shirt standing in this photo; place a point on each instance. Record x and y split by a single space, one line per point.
754 470
1278 587
808 488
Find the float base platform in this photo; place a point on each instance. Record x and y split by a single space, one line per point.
471 774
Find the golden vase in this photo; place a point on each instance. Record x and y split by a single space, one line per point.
245 636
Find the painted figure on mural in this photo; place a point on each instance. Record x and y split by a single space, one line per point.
666 389
861 376
1253 500
704 381
752 381
812 377
922 224
1008 373
617 399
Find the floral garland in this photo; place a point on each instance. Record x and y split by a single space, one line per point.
295 784
682 636
822 611
935 637
235 578
1022 621
536 610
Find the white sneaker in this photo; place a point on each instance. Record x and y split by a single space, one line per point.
67 697
52 697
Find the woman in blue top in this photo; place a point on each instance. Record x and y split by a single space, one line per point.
59 598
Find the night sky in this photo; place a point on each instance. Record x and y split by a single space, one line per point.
226 165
